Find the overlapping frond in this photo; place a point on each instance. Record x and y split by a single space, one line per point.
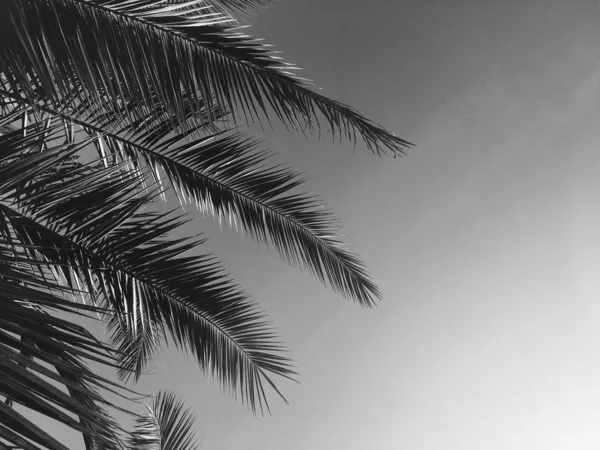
90 225
168 425
229 178
153 54
154 87
43 362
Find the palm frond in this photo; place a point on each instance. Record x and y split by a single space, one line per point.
168 425
148 52
227 177
91 227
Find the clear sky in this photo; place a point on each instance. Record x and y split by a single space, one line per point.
484 239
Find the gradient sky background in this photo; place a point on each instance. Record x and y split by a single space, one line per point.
484 239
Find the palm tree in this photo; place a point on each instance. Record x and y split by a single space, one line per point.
158 90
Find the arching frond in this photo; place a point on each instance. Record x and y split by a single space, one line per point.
229 178
149 53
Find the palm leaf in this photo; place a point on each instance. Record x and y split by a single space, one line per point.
227 177
148 52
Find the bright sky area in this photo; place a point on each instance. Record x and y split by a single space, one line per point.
484 239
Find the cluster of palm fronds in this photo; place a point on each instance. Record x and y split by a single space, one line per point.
152 89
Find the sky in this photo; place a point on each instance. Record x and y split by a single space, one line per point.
483 239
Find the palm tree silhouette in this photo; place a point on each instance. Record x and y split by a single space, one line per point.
158 90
